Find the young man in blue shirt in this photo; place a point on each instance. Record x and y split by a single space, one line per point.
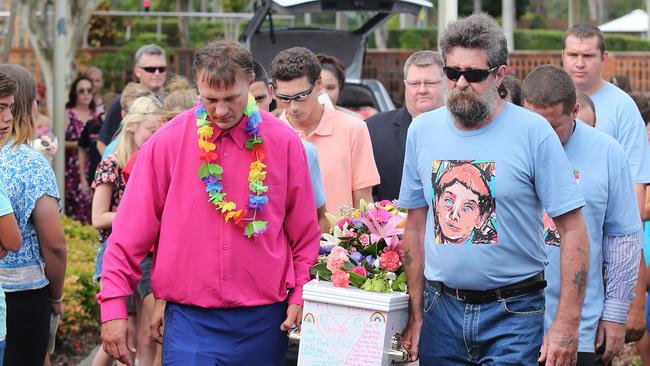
604 178
584 53
477 175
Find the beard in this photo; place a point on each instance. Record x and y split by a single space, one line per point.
470 109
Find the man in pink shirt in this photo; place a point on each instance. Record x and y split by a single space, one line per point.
224 190
342 140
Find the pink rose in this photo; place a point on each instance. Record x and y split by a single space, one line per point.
343 221
336 258
340 278
360 270
390 261
384 203
364 239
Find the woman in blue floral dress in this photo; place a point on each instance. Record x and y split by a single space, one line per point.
32 277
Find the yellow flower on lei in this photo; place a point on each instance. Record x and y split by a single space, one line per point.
206 145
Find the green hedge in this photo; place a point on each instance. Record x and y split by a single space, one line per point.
525 39
200 31
80 319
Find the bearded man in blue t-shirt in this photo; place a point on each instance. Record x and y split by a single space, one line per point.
604 177
478 175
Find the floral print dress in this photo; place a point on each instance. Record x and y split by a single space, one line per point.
109 172
77 202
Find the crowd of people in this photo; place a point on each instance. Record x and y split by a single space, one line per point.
209 197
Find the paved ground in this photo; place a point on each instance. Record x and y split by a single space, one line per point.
88 360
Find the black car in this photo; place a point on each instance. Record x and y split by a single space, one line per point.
265 39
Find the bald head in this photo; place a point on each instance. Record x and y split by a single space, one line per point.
96 77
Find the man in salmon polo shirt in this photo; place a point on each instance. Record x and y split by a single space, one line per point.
342 140
224 190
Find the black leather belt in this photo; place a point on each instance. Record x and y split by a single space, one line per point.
528 285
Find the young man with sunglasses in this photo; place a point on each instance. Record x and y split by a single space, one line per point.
342 140
481 170
151 71
583 56
603 175
423 92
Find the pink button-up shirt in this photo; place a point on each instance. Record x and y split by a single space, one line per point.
201 260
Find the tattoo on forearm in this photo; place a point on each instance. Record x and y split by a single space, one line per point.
407 257
580 279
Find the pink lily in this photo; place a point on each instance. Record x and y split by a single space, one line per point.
386 231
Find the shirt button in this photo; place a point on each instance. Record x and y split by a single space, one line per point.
226 277
226 247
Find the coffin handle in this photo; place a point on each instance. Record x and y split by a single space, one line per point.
294 336
397 352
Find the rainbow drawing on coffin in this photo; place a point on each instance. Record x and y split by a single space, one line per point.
378 317
464 204
309 318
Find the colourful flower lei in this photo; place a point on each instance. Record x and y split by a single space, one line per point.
211 173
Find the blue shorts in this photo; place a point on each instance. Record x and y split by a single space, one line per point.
234 336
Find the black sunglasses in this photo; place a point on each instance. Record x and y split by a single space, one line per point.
297 97
153 69
471 75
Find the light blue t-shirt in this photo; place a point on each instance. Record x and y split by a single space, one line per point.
618 116
486 190
110 148
604 179
5 209
314 173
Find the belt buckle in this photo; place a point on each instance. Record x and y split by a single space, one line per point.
463 298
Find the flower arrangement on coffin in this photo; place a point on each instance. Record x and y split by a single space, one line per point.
364 249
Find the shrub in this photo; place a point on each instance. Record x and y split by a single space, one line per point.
538 39
525 39
81 311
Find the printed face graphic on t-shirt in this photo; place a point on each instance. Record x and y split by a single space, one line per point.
551 235
463 201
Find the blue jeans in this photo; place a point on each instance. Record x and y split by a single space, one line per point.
3 345
99 260
504 332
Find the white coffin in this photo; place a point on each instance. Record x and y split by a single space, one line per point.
349 326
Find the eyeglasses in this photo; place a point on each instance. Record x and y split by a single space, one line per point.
84 91
297 97
471 75
427 84
153 69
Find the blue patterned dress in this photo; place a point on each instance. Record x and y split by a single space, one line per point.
27 177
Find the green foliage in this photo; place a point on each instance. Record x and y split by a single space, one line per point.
411 38
536 21
538 39
525 39
81 313
102 30
466 7
235 6
117 64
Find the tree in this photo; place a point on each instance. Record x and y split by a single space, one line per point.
36 21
